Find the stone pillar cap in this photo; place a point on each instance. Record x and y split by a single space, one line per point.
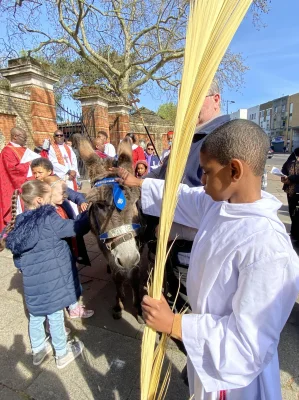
22 72
119 109
92 100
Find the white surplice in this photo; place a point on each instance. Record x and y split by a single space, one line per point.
62 170
242 283
110 150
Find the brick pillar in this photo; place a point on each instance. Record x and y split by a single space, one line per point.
38 80
95 113
119 122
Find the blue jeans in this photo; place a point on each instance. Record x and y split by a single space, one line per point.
37 332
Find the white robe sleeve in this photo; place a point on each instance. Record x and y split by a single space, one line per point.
228 352
110 150
190 207
59 169
74 162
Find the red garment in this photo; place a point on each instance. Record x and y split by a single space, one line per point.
12 176
100 154
138 154
44 154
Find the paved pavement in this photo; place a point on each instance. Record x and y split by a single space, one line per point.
109 368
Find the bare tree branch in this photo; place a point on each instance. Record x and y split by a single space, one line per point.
126 43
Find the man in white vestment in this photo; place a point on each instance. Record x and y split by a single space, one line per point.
64 162
243 277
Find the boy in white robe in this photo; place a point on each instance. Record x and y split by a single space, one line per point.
243 277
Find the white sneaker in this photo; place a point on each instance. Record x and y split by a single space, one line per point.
74 349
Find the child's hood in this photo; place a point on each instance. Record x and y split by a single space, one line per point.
27 229
144 162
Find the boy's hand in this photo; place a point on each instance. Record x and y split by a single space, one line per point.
83 206
125 178
157 314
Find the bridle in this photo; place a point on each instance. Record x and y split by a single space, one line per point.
123 233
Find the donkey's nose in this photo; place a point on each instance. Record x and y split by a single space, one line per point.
128 260
126 254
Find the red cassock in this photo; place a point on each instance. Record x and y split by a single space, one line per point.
12 176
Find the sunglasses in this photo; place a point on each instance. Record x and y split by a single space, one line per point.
59 135
150 148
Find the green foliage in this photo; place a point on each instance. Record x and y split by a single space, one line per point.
168 111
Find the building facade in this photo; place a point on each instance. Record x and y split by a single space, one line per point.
253 114
279 117
240 114
265 115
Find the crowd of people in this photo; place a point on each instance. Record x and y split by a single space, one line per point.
42 221
234 262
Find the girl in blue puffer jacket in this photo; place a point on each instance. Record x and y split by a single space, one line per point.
50 277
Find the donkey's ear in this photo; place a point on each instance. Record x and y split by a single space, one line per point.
87 153
124 152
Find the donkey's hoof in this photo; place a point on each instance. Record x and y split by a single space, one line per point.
117 314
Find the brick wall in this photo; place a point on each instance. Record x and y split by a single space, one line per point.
119 126
34 112
100 117
15 110
158 134
43 113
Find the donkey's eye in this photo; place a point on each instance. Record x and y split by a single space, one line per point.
102 206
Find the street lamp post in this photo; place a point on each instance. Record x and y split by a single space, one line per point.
230 102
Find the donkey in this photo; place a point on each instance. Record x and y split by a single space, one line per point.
115 221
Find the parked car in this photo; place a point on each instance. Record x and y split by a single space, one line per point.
270 153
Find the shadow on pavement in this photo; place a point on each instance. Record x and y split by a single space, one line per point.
19 368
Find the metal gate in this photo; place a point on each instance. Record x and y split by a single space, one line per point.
71 123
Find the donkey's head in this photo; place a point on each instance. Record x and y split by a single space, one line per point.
113 211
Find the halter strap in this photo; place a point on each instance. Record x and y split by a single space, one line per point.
121 230
118 194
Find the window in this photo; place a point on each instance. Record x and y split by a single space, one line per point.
268 112
275 109
283 108
290 118
291 108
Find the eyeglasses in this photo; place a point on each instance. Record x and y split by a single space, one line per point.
150 148
59 135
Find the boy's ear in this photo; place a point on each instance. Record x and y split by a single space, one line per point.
236 170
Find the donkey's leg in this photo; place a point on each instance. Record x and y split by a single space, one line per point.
137 294
120 295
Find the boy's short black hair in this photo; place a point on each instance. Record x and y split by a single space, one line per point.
42 162
240 139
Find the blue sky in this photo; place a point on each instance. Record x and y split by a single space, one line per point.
272 54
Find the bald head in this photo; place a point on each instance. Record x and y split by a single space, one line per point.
18 136
211 105
99 144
